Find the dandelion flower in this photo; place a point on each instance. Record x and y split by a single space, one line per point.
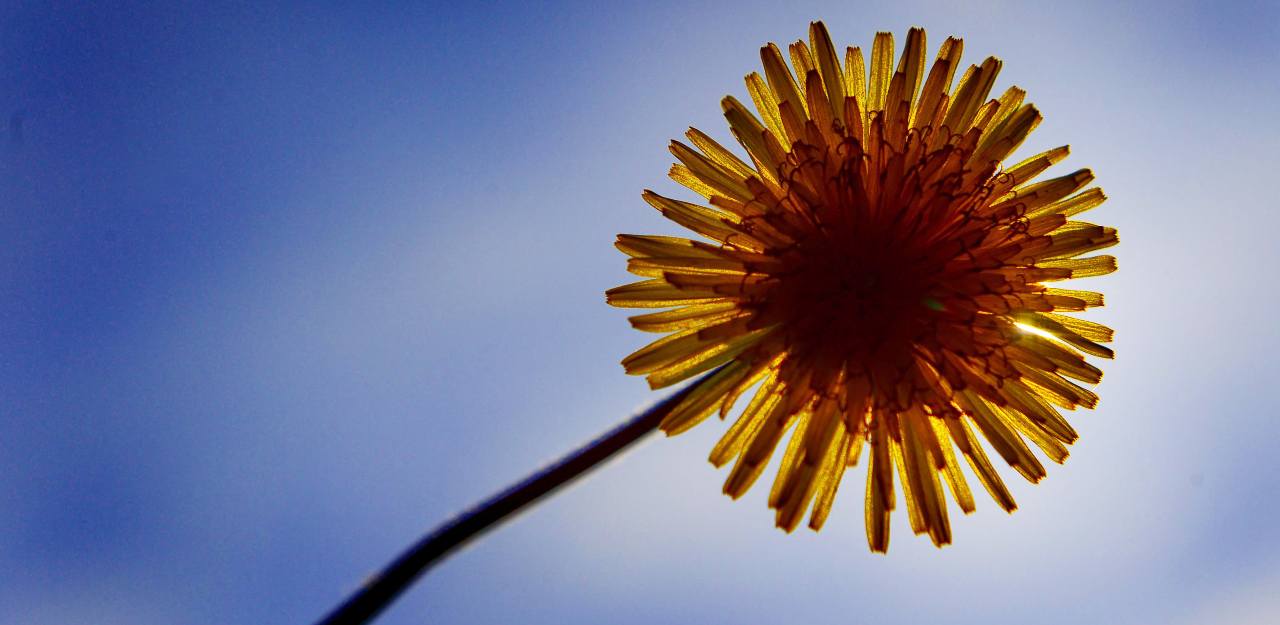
878 278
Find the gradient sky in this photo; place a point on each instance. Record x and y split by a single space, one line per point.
281 287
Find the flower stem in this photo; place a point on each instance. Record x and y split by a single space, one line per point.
383 588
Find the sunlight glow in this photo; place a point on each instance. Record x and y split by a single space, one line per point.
1030 329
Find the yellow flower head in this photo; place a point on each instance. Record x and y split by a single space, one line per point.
879 276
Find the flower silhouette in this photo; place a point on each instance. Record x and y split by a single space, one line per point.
876 277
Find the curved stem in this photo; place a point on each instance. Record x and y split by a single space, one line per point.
377 593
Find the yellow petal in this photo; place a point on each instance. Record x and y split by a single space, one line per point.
833 470
971 94
938 83
750 134
684 317
701 401
762 406
881 71
829 67
657 294
781 81
879 500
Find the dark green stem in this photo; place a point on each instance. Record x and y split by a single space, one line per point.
376 594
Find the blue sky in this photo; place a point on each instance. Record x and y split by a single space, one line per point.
281 287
